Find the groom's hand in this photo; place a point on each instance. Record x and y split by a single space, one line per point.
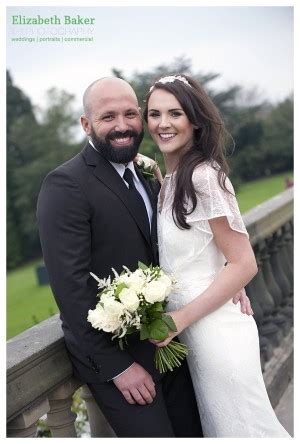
136 385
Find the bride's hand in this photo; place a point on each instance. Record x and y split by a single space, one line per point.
178 319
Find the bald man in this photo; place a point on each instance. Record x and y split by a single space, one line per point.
89 220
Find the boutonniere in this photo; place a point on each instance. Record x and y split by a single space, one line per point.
146 166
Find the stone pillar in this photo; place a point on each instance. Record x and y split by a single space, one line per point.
24 425
266 349
289 242
285 261
282 321
260 292
278 272
98 423
60 418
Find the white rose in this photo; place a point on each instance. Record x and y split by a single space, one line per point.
97 317
112 324
106 318
107 296
129 299
147 162
155 291
113 307
144 160
113 311
135 281
165 280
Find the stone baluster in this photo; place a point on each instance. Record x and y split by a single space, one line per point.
288 237
261 293
282 320
25 425
289 247
98 423
266 349
285 261
60 418
278 272
288 230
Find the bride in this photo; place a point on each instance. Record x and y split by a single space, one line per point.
199 230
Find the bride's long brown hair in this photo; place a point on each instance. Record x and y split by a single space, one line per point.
208 144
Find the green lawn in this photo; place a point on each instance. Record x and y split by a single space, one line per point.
27 303
253 193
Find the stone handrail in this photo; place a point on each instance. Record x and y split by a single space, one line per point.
34 356
39 373
265 219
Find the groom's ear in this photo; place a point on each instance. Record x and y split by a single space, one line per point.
85 123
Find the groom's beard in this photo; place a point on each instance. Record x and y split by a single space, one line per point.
122 154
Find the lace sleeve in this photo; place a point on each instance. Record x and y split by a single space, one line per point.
213 201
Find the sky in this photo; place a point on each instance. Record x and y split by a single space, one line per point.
250 46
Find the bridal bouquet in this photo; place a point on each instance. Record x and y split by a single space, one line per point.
136 301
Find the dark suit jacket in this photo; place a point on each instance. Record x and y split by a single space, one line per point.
87 223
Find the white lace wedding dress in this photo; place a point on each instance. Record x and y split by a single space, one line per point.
224 357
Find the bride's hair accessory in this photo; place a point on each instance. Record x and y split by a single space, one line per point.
171 79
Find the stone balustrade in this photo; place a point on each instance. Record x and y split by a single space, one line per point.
39 373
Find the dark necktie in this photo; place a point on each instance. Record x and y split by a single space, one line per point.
137 200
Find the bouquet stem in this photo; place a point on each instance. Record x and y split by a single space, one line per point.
168 357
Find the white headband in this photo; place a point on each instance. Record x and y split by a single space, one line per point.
171 79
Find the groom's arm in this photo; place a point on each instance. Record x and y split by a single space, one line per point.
64 225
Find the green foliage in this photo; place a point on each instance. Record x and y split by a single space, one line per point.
170 323
144 332
33 149
264 144
79 408
279 137
120 287
158 330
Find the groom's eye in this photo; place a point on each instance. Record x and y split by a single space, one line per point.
131 114
108 117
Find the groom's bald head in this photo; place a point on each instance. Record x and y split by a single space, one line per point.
106 89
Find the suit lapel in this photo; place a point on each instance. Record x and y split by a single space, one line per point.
106 173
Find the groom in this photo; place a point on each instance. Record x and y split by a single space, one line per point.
95 212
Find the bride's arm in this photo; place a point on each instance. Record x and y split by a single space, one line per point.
240 269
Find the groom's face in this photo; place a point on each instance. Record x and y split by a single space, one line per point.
115 125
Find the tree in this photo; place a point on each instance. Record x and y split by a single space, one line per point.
279 137
34 148
18 107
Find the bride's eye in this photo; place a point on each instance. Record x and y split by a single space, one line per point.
175 114
153 114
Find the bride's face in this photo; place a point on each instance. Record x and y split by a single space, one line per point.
168 124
